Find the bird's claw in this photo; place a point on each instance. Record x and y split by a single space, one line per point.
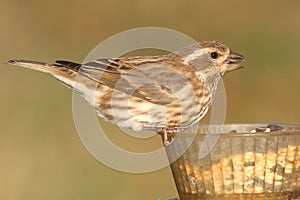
167 137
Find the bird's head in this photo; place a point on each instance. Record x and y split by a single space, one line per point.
225 60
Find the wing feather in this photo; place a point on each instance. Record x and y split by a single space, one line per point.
147 78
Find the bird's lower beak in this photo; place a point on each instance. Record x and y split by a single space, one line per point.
233 61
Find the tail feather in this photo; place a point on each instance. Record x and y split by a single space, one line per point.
38 66
54 69
64 71
68 64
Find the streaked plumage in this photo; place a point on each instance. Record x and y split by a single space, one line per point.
158 93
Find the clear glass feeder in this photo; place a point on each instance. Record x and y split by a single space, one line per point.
238 161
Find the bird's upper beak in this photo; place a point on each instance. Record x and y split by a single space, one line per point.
233 61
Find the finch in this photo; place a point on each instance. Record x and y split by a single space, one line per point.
161 93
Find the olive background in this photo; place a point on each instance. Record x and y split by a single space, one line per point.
41 154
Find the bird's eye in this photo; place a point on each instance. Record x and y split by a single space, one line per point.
214 55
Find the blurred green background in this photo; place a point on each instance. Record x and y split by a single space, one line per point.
41 154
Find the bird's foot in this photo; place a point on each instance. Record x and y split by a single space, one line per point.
168 135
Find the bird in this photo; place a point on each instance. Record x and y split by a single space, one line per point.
164 93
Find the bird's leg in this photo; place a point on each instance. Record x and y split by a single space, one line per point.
165 137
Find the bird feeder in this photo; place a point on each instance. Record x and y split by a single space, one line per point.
237 161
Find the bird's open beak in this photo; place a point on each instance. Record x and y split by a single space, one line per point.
233 61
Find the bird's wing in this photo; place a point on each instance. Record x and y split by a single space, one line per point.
155 79
149 78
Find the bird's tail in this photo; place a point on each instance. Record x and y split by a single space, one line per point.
64 71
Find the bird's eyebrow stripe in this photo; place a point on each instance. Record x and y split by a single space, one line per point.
193 56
